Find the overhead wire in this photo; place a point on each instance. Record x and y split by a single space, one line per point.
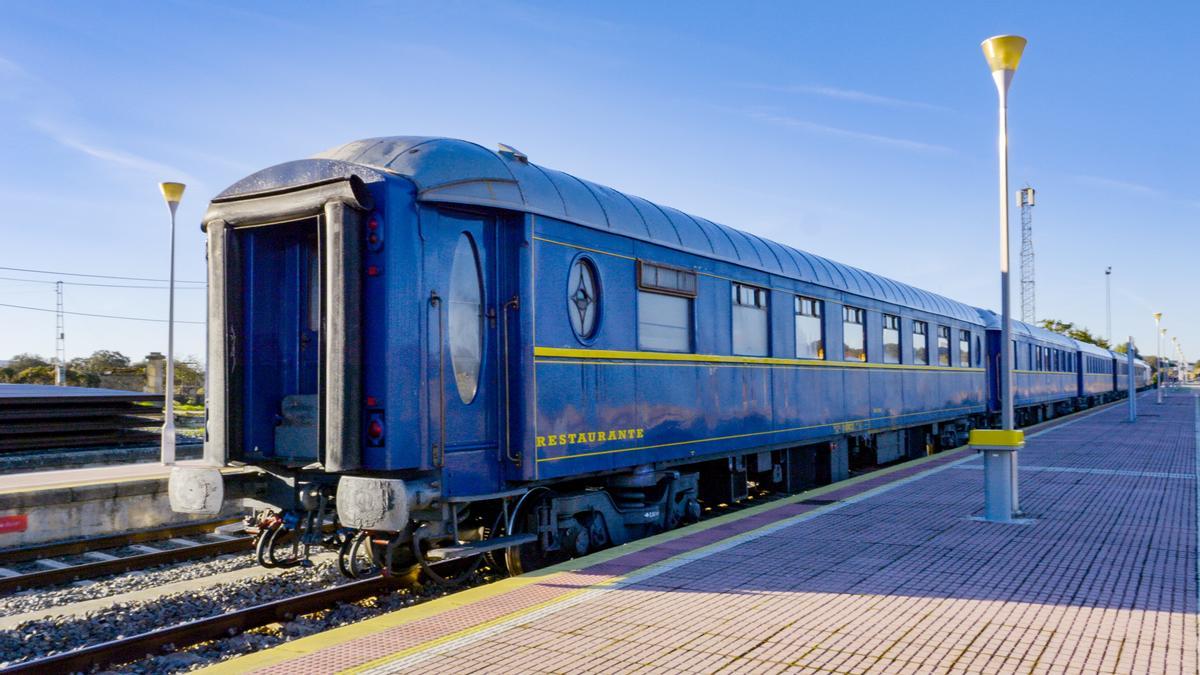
96 276
99 316
84 283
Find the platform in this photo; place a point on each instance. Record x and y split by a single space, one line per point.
37 507
893 575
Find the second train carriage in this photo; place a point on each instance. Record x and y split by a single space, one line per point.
457 351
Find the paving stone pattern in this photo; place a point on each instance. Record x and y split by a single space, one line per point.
1103 580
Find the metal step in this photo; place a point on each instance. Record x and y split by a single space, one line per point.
446 553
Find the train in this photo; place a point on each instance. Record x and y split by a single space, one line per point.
439 354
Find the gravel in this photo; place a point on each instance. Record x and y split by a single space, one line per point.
36 599
34 639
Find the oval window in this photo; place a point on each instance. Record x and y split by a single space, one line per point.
583 298
466 318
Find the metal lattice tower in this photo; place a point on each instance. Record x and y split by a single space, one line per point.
1025 200
60 340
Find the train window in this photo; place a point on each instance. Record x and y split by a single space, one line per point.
664 322
891 339
854 334
964 348
583 298
466 318
1032 363
1015 353
809 343
978 353
665 279
943 345
920 343
749 320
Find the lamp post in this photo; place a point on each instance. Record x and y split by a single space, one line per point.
1162 333
1108 305
1158 357
1003 53
172 193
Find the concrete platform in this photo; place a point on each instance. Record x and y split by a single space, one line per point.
49 506
895 576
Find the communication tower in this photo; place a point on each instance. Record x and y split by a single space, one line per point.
60 340
1025 200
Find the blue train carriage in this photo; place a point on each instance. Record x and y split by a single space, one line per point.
1095 377
1045 379
1120 373
1144 374
451 351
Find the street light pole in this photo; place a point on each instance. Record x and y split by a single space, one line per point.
1158 356
172 193
1003 53
1108 306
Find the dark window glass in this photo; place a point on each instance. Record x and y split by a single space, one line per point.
854 334
749 320
920 343
891 339
943 345
466 318
964 348
809 343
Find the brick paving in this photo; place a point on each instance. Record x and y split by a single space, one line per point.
901 579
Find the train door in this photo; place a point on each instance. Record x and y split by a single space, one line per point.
278 353
468 267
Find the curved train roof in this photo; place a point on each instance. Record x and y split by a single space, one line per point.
449 170
992 320
1094 350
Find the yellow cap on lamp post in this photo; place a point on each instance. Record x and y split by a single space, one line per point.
1003 52
173 193
1157 316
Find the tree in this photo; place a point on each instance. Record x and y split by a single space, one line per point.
100 362
189 372
1070 330
24 361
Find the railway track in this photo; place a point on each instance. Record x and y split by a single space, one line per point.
87 559
183 635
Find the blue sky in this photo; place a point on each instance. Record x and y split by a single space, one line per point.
864 133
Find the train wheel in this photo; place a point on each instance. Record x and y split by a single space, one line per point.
524 519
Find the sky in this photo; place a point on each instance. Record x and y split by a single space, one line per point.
864 132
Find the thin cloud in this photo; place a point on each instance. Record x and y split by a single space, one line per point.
1110 183
877 139
119 158
10 68
847 95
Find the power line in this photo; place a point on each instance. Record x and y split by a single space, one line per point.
98 316
84 283
95 276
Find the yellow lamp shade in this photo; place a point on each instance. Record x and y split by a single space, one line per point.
1003 52
172 192
1157 316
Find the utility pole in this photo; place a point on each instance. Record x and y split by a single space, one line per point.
1025 199
1108 305
60 339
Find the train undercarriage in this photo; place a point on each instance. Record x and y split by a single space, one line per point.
406 528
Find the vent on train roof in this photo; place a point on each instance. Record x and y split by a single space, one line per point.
510 151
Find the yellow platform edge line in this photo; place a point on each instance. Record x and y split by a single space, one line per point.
313 643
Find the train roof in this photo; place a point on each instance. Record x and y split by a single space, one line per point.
1094 350
992 321
455 171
